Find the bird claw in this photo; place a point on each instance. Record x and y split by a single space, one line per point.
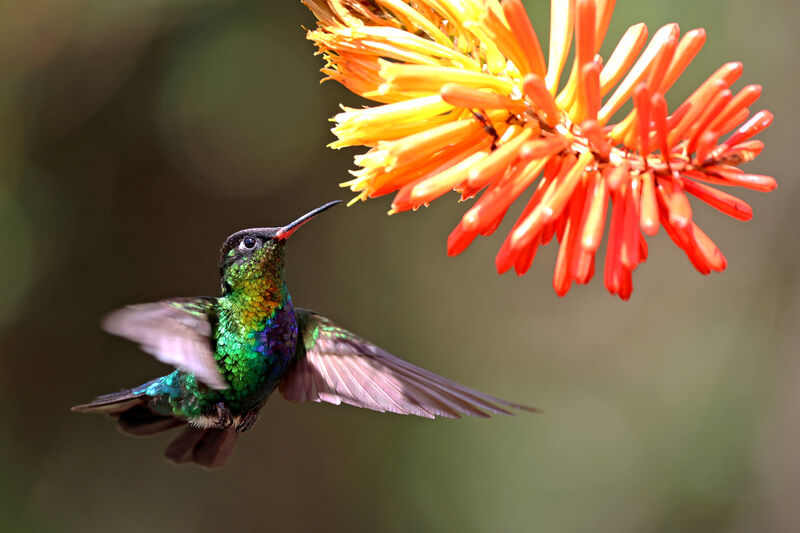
224 416
247 422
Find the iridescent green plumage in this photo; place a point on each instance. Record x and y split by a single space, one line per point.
231 352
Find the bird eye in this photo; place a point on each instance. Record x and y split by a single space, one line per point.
248 243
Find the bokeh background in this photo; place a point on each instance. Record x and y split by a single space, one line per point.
135 136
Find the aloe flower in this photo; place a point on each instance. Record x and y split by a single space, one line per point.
467 102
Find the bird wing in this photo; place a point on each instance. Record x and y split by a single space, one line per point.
177 332
335 366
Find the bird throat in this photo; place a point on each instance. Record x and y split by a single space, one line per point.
256 332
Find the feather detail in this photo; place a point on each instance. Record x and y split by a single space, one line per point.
335 366
176 332
115 402
210 448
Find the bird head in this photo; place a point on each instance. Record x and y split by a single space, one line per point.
253 253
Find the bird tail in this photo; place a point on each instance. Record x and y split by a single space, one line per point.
130 409
208 447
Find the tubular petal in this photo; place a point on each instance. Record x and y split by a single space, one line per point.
520 24
649 205
727 203
637 73
562 23
623 57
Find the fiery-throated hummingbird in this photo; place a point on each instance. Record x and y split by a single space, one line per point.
232 352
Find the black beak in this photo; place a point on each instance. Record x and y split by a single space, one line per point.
287 231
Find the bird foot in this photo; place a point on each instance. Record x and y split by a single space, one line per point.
247 422
224 416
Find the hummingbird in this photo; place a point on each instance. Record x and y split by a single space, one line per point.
230 353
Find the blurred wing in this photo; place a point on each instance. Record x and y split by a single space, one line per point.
177 332
335 366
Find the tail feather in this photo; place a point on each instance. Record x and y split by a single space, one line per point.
210 447
112 404
180 449
141 421
130 408
115 402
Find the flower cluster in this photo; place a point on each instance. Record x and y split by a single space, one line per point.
470 104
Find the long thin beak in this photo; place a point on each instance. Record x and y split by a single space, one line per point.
286 231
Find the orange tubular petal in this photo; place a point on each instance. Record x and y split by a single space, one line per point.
700 109
648 216
707 249
637 73
642 248
597 139
742 100
722 177
507 256
402 200
714 107
629 251
525 259
520 24
459 239
605 8
431 78
662 60
618 175
536 90
491 228
626 131
562 21
402 175
681 237
623 57
744 152
699 99
754 126
570 245
543 147
554 206
728 204
426 143
641 101
496 200
613 267
675 118
583 266
590 91
434 186
677 204
626 285
584 32
530 226
734 121
580 258
498 161
688 47
705 144
596 216
658 106
470 98
497 31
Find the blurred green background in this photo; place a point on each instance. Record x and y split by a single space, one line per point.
135 136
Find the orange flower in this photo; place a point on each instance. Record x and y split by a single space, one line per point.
471 105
